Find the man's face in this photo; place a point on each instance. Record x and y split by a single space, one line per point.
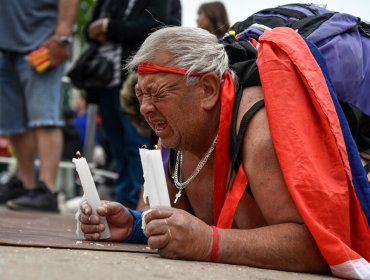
169 105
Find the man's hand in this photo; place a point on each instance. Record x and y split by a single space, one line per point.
58 51
178 234
118 217
96 31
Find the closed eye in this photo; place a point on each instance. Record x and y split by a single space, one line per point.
139 94
159 95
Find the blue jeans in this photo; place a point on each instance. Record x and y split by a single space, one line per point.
125 142
27 99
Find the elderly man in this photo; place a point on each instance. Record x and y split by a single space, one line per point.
186 93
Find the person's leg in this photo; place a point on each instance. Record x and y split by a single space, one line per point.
114 133
42 100
13 122
24 145
43 95
49 145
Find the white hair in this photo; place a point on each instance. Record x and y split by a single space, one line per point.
193 49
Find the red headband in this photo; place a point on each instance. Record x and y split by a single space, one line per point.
149 68
222 160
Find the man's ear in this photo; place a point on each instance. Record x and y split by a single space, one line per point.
210 84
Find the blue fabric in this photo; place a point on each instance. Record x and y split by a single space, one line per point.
137 234
341 41
360 181
125 142
80 122
347 50
27 99
25 24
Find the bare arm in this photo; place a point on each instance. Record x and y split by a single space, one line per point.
67 11
285 243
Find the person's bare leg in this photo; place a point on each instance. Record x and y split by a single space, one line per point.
49 143
25 150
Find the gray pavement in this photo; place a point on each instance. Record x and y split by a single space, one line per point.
34 263
20 263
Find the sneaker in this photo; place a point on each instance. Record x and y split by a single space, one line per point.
12 189
38 199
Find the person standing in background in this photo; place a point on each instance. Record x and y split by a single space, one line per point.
30 96
121 26
212 16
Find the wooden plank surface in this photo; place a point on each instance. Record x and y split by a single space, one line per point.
38 229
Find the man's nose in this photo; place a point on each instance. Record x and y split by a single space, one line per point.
146 106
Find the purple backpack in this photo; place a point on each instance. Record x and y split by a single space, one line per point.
344 42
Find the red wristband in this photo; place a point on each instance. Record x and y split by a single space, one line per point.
215 244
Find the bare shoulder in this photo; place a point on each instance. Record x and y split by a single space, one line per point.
257 134
250 96
262 166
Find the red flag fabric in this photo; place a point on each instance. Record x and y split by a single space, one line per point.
311 151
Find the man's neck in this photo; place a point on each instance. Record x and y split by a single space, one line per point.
203 138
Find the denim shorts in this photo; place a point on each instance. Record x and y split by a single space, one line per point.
27 99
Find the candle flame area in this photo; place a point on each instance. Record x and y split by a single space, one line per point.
78 154
156 147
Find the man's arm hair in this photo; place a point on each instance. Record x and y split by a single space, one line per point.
67 12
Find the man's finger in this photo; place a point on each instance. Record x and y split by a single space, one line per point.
85 208
158 213
89 220
158 241
109 209
92 228
156 227
94 236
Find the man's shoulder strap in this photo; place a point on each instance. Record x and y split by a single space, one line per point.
237 138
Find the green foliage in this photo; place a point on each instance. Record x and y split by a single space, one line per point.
83 16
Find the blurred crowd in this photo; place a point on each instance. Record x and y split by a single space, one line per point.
36 128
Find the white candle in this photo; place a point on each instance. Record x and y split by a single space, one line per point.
155 186
90 192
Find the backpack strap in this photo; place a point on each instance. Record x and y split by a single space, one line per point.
236 157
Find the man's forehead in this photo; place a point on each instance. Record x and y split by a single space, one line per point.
160 79
153 81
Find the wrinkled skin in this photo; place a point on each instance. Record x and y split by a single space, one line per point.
174 232
118 218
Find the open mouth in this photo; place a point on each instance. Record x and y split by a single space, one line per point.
160 127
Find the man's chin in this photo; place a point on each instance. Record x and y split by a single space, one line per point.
166 143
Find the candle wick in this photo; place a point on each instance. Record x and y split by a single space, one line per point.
78 154
144 146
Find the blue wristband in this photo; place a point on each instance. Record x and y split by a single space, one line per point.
137 234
